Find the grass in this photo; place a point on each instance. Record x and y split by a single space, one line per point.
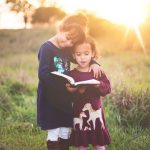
127 108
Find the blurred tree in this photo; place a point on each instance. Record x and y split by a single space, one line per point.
97 26
22 6
47 15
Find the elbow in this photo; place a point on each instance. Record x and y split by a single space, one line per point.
41 76
106 91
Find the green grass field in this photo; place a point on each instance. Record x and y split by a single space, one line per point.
127 108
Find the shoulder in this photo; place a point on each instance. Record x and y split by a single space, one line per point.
73 71
47 47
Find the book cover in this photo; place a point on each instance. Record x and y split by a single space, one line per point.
72 81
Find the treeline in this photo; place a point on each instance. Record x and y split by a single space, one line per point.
111 36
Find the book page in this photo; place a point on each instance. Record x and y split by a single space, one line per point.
87 82
72 82
70 79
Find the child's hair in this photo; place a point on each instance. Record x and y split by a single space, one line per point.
89 40
78 33
77 18
76 22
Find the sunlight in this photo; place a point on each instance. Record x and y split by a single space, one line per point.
128 12
140 38
9 19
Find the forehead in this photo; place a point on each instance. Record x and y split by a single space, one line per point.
83 47
73 33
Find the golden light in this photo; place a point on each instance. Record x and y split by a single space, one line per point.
128 12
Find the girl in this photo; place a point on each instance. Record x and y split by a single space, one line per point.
89 123
54 109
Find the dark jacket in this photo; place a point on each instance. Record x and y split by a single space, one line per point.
54 107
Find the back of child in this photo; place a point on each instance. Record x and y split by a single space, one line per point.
89 120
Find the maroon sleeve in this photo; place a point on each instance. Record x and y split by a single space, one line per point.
105 86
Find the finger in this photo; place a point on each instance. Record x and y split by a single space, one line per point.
96 74
100 72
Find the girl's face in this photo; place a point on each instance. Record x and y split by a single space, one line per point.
67 39
83 55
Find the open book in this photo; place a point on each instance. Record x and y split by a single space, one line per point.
72 81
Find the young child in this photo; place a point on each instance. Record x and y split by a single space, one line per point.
89 122
54 108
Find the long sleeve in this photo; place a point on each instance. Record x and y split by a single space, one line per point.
46 65
105 86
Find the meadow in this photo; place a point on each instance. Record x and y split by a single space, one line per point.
127 108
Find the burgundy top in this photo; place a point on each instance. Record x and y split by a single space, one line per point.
92 95
86 131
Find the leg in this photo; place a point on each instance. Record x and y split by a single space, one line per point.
52 145
64 138
52 139
98 147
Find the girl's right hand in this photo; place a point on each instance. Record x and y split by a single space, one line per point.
71 88
82 89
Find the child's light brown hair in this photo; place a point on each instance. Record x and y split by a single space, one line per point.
78 18
89 40
76 22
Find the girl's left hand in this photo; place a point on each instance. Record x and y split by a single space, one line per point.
97 70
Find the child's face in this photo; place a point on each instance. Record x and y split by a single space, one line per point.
83 55
67 39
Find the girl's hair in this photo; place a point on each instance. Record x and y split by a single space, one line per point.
89 40
78 22
77 18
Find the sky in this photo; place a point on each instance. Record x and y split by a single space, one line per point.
129 12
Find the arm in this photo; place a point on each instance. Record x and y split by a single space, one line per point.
45 67
70 88
105 86
79 89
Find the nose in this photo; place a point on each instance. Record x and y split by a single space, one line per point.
82 56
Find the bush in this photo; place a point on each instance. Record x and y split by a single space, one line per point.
133 106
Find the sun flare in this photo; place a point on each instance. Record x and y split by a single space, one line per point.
128 12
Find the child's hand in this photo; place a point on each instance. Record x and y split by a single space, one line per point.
97 70
71 88
82 89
